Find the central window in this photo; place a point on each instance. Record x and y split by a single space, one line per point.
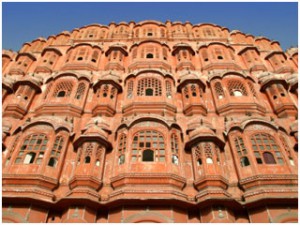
149 87
148 146
265 149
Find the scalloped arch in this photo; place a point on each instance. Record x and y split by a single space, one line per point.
66 74
157 71
242 126
84 44
52 123
149 41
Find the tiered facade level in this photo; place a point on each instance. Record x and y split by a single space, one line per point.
150 122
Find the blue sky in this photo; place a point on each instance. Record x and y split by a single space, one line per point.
24 22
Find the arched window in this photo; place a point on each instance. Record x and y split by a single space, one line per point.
80 91
245 161
174 148
219 53
12 149
137 32
162 32
165 54
52 162
204 152
205 55
269 158
29 158
112 92
242 151
149 83
237 93
146 141
168 89
197 155
130 89
252 89
148 156
149 92
33 149
281 90
105 90
193 89
88 152
186 92
149 56
208 153
81 54
95 56
87 159
115 54
236 88
265 143
63 89
56 150
122 149
61 94
287 149
52 59
219 90
134 53
99 152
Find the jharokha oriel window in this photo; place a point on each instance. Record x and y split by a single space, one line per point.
63 89
90 153
122 149
33 149
237 88
175 149
148 146
56 150
149 87
265 149
242 151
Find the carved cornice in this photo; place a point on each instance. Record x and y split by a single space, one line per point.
148 179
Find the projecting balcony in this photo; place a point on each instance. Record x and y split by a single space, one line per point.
211 187
149 64
221 65
90 66
185 65
16 71
115 66
240 104
104 110
14 110
253 67
260 187
195 109
286 109
29 185
148 186
60 106
153 105
43 69
284 69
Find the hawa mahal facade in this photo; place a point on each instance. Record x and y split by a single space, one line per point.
150 122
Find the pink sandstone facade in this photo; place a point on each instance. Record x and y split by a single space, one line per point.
150 122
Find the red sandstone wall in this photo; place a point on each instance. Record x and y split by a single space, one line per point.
150 122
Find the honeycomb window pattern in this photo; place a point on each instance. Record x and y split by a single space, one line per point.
148 140
237 88
265 149
147 84
33 149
